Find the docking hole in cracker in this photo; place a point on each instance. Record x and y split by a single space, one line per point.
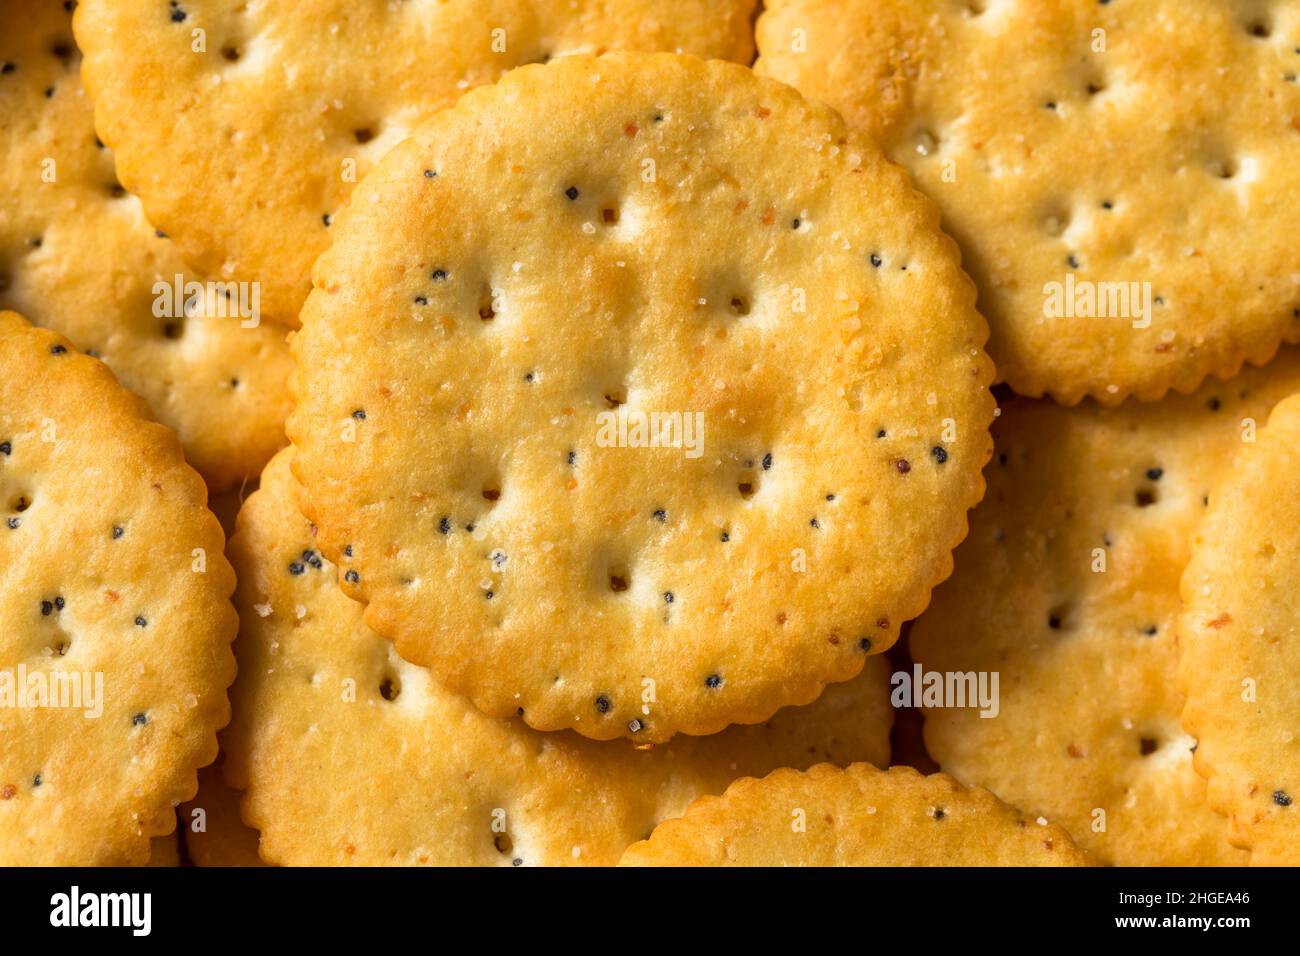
319 695
1066 592
1240 638
1122 177
78 257
859 816
244 127
115 619
658 408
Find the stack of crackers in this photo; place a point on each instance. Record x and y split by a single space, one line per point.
563 432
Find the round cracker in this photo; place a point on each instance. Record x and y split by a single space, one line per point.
1067 588
327 716
115 598
859 816
244 127
1240 638
640 235
1148 142
77 256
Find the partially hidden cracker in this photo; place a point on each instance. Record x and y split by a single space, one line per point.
348 755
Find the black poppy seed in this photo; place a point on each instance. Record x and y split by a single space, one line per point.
876 260
429 174
14 523
669 597
572 192
6 448
940 813
49 91
1155 473
439 275
470 527
47 607
940 453
8 67
1214 404
713 681
421 300
1050 104
444 525
660 515
359 414
489 595
1072 261
160 234
1002 458
602 704
312 558
864 644
117 532
140 621
572 457
814 523
726 536
59 603
327 219
178 15
635 726
794 224
767 462
830 497
347 552
519 711
1107 204
37 780
57 349
139 720
1150 630
1282 798
296 568
881 433
529 376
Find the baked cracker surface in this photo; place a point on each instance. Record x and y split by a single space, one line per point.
245 127
1121 176
1240 638
348 755
559 263
116 620
859 816
1067 589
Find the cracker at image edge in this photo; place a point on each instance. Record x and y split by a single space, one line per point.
859 816
776 280
77 256
320 695
1240 640
114 572
243 128
1112 143
1067 590
213 831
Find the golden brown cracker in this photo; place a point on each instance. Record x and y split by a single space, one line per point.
1121 176
859 816
349 755
477 428
244 127
1240 639
115 645
77 256
1067 590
